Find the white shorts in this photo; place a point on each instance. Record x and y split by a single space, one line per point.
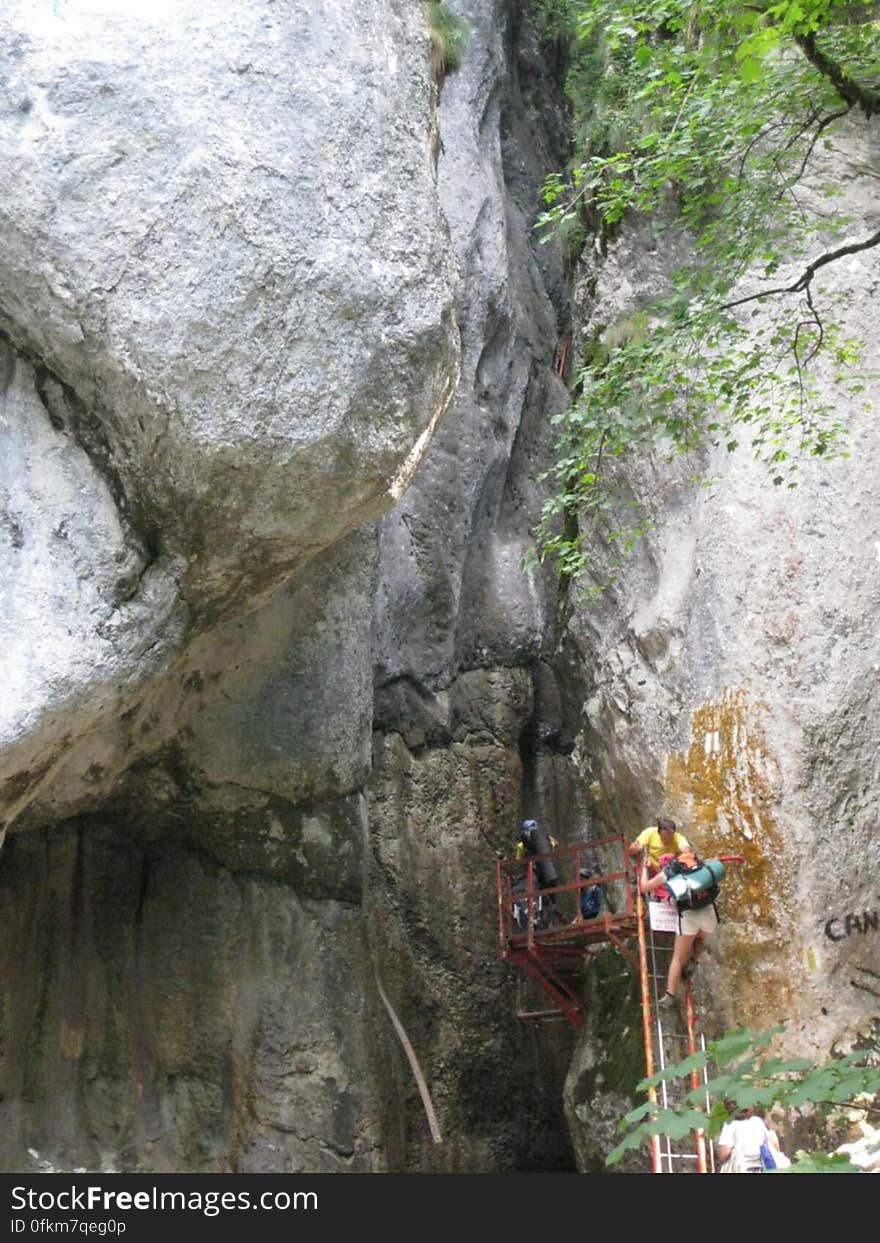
703 920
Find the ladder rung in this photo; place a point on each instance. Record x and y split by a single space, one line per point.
540 1014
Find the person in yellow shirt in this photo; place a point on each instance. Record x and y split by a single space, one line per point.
660 839
528 844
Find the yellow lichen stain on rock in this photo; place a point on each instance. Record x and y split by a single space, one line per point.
724 790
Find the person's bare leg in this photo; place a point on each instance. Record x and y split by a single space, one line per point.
680 954
698 951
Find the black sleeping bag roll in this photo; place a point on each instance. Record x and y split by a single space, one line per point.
545 869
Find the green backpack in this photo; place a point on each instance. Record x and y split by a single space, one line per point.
694 884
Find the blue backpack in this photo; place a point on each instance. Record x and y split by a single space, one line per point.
591 901
591 896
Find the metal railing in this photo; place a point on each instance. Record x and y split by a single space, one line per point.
531 913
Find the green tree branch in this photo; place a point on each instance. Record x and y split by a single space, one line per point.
703 116
745 1075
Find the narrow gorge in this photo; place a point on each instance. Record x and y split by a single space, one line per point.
281 357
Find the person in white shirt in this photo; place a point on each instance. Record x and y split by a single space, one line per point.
739 1144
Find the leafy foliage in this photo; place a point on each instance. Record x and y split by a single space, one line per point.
448 37
704 116
742 1073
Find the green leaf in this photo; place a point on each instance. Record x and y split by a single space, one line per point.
710 108
752 1080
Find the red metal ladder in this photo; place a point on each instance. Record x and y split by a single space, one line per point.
669 1040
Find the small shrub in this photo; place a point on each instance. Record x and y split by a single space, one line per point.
448 38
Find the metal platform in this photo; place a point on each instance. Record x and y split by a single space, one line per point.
543 934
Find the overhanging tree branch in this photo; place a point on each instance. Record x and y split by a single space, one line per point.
849 90
715 118
804 280
823 124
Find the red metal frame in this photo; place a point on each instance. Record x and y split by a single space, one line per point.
647 1021
596 929
540 953
691 1020
648 1031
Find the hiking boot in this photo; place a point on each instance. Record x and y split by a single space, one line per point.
666 1002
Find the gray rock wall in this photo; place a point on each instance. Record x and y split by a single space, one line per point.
86 614
471 732
225 262
165 1013
226 294
261 742
246 325
734 668
188 979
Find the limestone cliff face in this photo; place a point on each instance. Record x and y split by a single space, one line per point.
734 675
227 305
226 299
473 723
249 755
278 374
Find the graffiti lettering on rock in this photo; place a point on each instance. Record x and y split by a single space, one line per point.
839 927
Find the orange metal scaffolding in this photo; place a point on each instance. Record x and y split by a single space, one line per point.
542 933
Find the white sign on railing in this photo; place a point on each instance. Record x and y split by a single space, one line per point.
663 916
